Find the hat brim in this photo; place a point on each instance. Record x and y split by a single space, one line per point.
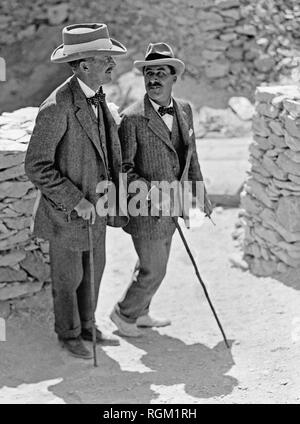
176 63
58 55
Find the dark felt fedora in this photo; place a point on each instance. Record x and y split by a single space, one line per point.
160 54
86 40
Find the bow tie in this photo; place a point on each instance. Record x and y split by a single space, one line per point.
98 98
162 110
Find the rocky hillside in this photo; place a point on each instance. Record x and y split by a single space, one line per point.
229 46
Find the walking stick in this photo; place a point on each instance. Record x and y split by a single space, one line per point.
92 289
200 279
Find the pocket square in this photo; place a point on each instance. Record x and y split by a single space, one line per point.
191 132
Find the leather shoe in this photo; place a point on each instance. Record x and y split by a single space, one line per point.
148 321
125 328
75 347
105 340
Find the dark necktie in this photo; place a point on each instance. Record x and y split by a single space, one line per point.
98 98
162 110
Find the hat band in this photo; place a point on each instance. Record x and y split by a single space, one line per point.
157 56
99 44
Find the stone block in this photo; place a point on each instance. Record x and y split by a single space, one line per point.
292 142
288 212
293 107
227 4
256 151
21 237
294 178
270 236
12 258
14 189
11 173
259 191
277 141
57 14
8 275
292 126
242 107
250 204
268 110
217 70
14 290
216 44
263 142
9 160
5 309
263 268
273 168
260 126
286 258
24 206
277 128
288 165
17 223
287 185
35 266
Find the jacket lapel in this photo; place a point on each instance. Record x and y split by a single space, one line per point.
182 122
184 128
112 141
156 124
84 116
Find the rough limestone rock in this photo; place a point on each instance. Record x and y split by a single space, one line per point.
288 165
223 121
15 290
58 14
12 258
242 107
35 266
7 275
226 37
271 195
288 212
24 260
292 142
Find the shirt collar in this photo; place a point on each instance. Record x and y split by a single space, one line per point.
157 106
85 88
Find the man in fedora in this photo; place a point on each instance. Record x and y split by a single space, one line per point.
158 144
74 146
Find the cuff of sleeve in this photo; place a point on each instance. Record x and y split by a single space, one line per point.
70 202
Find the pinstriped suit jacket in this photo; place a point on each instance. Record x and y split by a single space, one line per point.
148 155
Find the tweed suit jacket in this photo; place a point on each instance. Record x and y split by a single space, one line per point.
148 155
65 161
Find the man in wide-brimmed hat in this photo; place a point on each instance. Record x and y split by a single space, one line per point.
74 146
158 145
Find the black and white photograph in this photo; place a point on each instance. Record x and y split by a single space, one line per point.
149 205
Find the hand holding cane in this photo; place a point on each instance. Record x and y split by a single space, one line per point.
92 289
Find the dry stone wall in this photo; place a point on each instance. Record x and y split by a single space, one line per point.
24 260
229 46
271 196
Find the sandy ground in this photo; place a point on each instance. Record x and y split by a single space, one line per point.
186 362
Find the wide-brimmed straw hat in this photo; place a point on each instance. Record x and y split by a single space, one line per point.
160 54
86 40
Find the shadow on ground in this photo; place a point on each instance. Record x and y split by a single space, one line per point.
32 354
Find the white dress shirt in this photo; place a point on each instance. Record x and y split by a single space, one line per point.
88 92
168 119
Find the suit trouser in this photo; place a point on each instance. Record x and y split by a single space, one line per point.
70 274
153 256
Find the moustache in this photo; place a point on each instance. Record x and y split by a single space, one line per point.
154 85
